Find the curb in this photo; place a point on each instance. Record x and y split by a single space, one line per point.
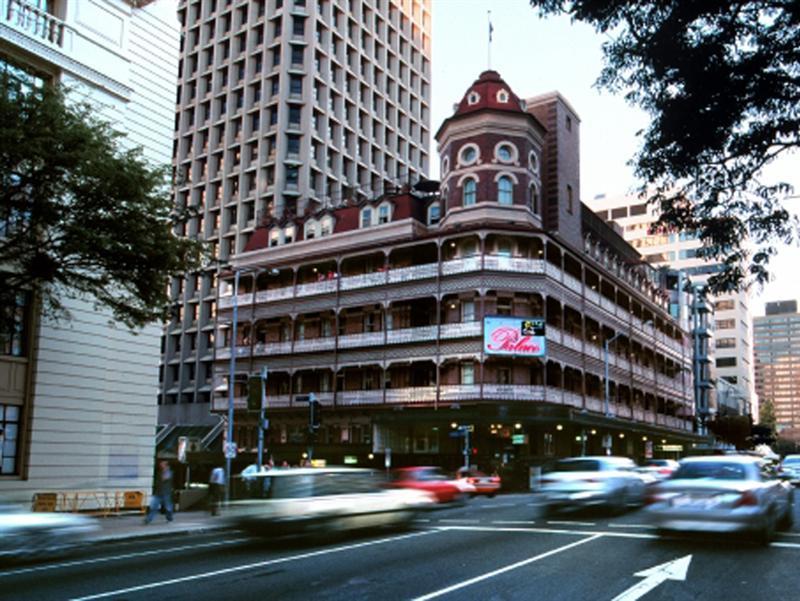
145 535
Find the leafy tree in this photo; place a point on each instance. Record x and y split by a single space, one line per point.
721 81
766 415
79 215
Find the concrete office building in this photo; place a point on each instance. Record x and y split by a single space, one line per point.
284 106
731 348
76 397
777 361
483 302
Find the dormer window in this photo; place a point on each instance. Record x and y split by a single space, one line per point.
383 213
326 227
473 98
366 217
288 235
502 96
275 237
310 230
434 213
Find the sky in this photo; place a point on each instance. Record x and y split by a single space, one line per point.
535 56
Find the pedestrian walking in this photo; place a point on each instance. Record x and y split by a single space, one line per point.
216 489
162 498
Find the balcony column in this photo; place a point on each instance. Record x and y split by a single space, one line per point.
335 353
438 321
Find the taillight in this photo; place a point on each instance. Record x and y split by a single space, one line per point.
665 471
651 498
748 498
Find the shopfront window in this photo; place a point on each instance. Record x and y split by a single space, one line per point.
9 437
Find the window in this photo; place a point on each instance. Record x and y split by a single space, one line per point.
505 153
293 145
383 214
726 343
504 306
534 199
570 199
470 192
533 162
295 85
298 26
726 362
725 305
13 317
505 190
725 324
10 423
468 154
467 311
292 175
503 375
467 373
366 217
434 214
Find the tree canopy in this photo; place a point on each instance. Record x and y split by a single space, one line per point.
80 216
721 81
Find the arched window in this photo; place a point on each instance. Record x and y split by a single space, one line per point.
505 190
534 199
470 192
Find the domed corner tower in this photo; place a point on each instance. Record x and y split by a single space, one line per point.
491 153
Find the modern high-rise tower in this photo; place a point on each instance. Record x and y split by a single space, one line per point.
283 107
732 349
777 359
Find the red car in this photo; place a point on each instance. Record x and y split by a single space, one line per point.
430 479
484 485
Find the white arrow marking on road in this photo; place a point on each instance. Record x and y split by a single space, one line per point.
672 570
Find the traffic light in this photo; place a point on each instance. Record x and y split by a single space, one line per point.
314 417
254 393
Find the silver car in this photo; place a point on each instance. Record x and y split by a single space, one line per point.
790 468
578 482
28 535
320 500
722 494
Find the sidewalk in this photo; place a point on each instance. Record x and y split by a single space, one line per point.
129 527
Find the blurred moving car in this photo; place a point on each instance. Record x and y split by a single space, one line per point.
722 494
484 485
432 480
661 469
790 467
31 535
320 500
605 481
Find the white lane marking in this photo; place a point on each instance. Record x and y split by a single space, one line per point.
422 520
496 505
609 533
570 523
671 570
644 526
786 545
512 522
83 562
788 534
250 566
460 521
505 569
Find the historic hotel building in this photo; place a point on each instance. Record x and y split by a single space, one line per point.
388 311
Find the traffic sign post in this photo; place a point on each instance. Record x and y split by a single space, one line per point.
230 450
261 420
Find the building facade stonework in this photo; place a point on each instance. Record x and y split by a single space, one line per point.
381 314
76 395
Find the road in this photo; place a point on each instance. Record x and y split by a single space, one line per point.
501 548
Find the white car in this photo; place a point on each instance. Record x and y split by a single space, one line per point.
579 482
722 494
320 500
26 535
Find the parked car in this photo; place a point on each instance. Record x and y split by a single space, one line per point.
722 494
432 480
321 500
660 469
790 468
484 485
604 481
28 535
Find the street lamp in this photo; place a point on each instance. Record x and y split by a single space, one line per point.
231 376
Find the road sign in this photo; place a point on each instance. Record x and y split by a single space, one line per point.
230 450
456 434
469 428
183 443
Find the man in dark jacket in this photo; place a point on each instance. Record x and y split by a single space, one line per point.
163 493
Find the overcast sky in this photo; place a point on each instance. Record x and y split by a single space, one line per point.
536 56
